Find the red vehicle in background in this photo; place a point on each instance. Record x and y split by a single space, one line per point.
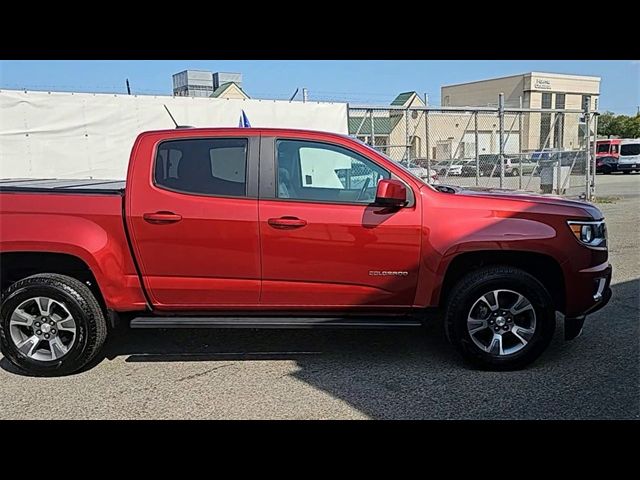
608 148
281 228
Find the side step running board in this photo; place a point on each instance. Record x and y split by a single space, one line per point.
272 322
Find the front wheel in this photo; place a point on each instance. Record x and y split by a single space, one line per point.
515 172
500 318
50 325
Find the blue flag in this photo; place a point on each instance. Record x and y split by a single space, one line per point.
244 121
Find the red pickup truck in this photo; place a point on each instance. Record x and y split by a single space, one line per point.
287 229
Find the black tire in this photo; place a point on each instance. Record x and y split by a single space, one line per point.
514 172
91 327
626 172
606 170
471 287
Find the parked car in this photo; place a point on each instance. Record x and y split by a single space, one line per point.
606 165
469 168
251 227
576 159
419 169
629 159
490 165
449 168
515 166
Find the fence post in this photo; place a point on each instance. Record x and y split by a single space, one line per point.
593 153
427 144
520 143
372 134
587 121
406 137
501 120
559 166
477 155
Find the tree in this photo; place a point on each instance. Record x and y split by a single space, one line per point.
624 126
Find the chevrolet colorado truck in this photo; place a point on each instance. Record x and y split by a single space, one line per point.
280 228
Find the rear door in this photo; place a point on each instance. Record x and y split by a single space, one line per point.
194 220
324 245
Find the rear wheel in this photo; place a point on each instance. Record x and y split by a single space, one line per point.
500 318
50 325
515 172
626 172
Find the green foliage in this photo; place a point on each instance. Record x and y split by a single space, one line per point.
623 126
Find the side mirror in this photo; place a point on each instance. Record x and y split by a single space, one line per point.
391 193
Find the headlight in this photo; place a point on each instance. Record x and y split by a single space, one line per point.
591 234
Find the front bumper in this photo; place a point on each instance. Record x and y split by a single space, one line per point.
573 326
588 290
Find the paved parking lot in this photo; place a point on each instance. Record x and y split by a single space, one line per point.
359 374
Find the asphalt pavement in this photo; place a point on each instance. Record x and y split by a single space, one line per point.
404 374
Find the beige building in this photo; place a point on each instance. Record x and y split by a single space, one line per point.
534 90
229 90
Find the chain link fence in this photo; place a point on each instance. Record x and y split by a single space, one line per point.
542 150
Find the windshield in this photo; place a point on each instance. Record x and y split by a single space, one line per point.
630 149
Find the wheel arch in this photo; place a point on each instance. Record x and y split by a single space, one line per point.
543 267
15 266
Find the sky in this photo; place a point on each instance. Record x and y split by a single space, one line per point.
358 82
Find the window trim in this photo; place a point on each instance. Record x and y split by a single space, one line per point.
410 196
251 176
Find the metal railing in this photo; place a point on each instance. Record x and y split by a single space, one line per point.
538 150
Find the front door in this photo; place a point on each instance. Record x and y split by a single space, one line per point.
194 224
323 243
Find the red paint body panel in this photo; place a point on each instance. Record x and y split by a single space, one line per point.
327 263
209 253
89 227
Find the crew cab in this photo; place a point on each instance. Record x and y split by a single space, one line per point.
281 228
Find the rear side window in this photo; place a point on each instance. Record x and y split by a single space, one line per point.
203 166
630 149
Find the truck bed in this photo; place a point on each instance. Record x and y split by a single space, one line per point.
75 186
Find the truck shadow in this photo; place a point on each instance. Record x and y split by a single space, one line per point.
403 373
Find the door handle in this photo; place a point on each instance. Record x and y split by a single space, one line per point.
161 218
287 222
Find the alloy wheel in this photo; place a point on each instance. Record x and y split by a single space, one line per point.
42 328
501 322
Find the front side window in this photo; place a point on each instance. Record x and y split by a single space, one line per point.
326 173
203 166
603 148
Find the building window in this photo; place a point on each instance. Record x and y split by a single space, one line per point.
415 147
545 120
558 131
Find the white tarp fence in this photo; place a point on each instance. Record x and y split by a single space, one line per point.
86 135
